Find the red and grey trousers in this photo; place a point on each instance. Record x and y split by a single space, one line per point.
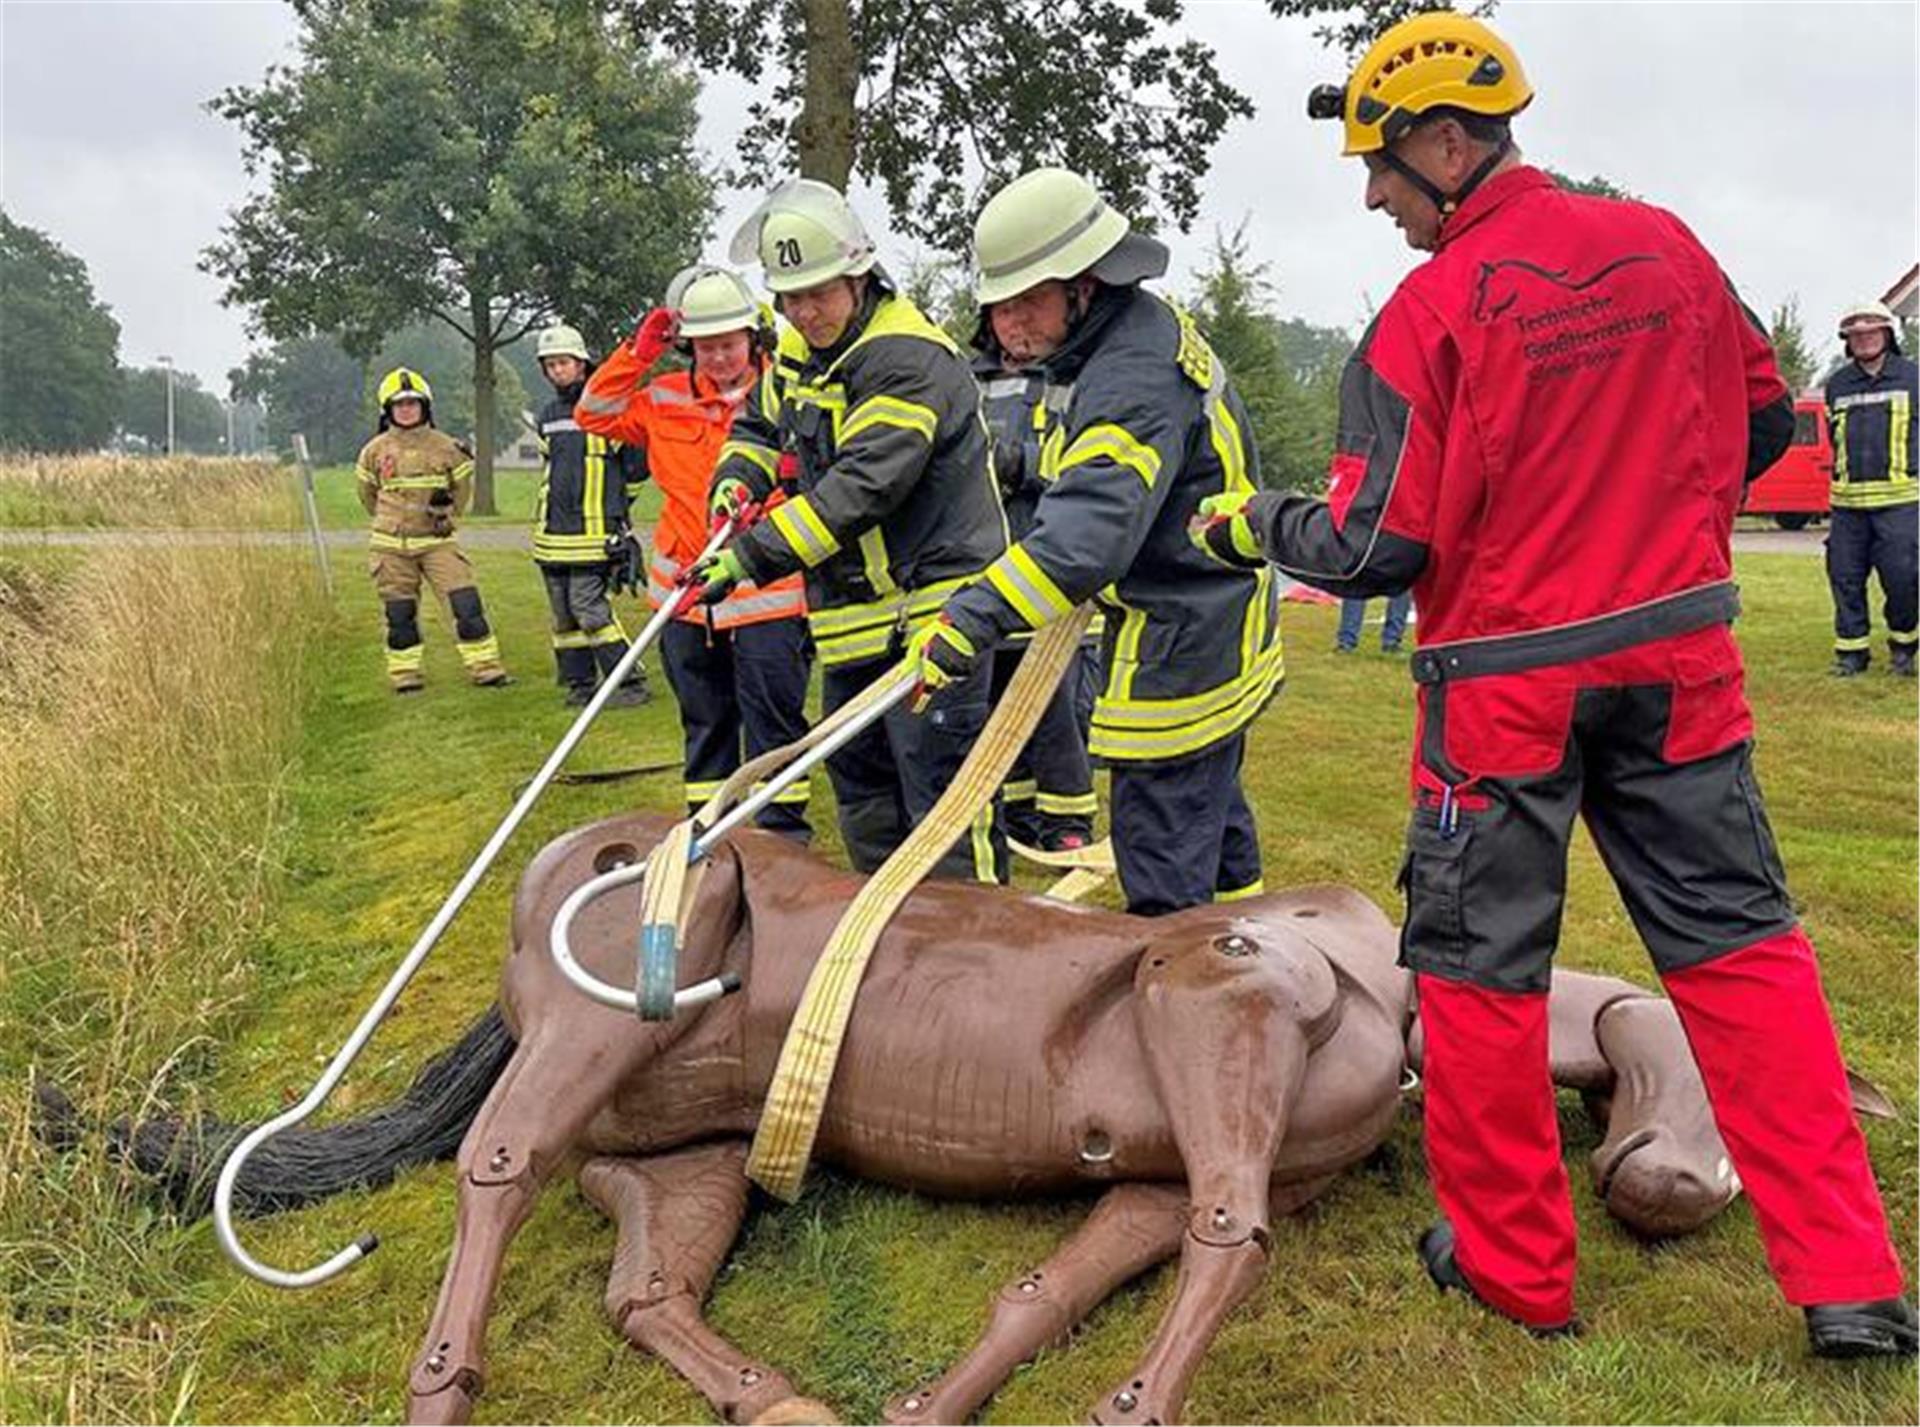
1651 745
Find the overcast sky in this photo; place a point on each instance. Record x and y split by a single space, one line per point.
1781 132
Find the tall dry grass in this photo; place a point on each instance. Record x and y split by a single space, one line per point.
149 705
165 492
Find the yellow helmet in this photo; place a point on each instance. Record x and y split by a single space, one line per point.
403 382
1438 60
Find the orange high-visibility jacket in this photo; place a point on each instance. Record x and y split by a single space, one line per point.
681 420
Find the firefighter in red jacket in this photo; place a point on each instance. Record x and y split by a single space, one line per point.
1544 433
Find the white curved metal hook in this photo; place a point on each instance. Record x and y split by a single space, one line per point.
456 899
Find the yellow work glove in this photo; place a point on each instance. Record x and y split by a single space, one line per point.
1221 529
941 655
729 494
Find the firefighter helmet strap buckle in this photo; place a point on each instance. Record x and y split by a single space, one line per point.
1447 203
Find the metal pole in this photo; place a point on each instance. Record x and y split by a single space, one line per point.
305 459
377 1012
167 362
621 998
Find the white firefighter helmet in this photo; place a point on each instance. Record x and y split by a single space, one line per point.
561 340
1051 223
712 300
802 234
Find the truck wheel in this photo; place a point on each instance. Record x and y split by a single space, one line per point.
1795 520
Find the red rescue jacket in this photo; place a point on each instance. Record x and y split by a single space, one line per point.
1546 433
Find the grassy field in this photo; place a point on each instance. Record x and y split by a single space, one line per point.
514 493
145 492
289 905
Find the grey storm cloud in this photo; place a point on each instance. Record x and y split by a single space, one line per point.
1782 133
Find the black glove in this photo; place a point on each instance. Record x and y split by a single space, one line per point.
627 566
440 507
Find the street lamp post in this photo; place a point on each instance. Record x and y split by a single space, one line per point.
167 362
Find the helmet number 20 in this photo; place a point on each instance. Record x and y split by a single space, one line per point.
786 252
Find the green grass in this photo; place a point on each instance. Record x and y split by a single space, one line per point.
858 1292
514 493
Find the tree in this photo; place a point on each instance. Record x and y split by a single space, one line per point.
310 385
199 421
59 348
489 164
1797 358
1596 186
1286 371
938 103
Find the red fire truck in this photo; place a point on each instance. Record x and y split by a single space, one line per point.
1794 489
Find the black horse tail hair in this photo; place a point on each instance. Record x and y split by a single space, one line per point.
302 1166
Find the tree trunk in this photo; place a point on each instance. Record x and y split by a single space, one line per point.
482 314
824 130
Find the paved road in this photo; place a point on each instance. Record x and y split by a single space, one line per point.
514 537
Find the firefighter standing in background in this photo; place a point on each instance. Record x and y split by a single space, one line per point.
581 521
738 667
1048 796
895 507
1873 408
1138 423
1546 433
414 480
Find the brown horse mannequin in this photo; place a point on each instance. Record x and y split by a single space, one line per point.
1212 1071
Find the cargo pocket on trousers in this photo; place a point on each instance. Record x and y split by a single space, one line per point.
1432 874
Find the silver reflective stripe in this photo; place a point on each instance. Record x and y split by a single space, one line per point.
1004 386
1052 245
668 396
603 405
547 428
1869 398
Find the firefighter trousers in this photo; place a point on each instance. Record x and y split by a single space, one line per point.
397 576
890 775
1048 795
1183 834
1864 542
588 640
740 687
1652 746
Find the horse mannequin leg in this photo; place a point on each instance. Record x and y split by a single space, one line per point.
1132 1228
1227 1023
558 1078
678 1215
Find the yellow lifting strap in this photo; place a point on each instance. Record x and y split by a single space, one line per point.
797 1098
1088 867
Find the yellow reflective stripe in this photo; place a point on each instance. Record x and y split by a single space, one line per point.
1019 790
1895 636
608 633
1899 413
873 560
883 410
865 631
1850 646
368 476
1114 443
1838 435
405 661
1253 625
1126 652
1875 495
417 483
593 513
984 869
1240 894
804 531
1143 739
1068 805
570 639
462 472
1018 579
761 456
479 651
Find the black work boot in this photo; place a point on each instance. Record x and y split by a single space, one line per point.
1901 666
1883 1328
1847 666
1436 1252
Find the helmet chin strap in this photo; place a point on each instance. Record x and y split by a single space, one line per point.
1447 203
